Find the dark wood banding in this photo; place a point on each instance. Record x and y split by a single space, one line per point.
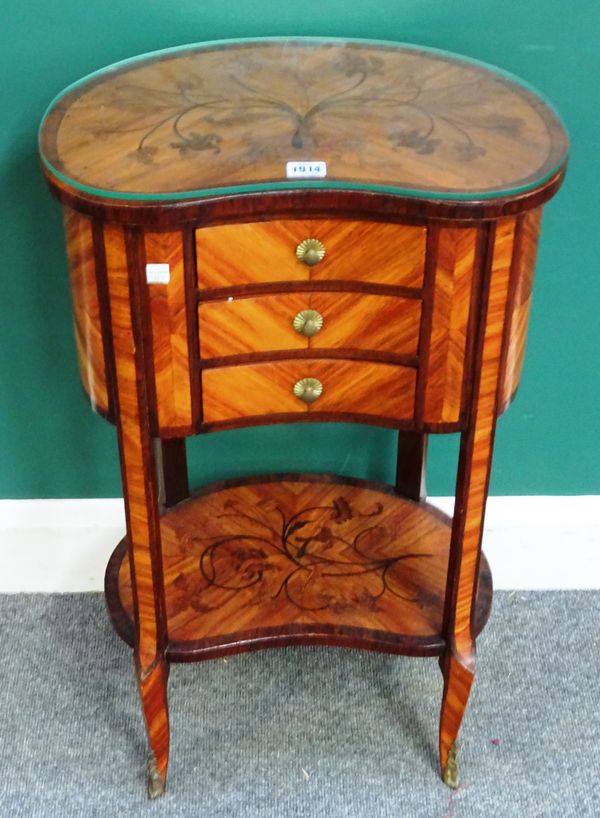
308 354
324 417
334 285
189 271
232 209
433 233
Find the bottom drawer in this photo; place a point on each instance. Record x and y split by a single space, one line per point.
358 387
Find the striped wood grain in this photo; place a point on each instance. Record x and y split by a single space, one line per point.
86 310
474 469
140 492
451 301
169 332
528 244
348 386
350 321
257 252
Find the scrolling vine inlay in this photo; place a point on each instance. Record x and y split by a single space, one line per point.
421 111
305 556
297 551
205 117
300 551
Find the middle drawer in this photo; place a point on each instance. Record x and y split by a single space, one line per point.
319 320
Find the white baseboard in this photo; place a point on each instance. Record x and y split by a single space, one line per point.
532 543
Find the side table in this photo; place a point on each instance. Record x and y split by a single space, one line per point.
289 230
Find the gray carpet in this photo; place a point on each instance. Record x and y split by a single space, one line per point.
324 733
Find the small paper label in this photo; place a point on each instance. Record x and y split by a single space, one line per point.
306 170
158 273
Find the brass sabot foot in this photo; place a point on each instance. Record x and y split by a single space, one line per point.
450 774
156 783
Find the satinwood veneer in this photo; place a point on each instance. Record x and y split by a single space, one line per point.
280 230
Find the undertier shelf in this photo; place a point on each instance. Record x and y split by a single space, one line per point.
299 559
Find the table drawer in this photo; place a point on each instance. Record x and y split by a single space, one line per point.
260 252
238 326
249 390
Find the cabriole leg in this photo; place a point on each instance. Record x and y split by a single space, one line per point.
475 459
140 489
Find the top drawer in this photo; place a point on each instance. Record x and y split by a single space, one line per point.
260 252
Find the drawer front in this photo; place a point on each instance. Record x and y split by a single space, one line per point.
382 390
349 321
260 252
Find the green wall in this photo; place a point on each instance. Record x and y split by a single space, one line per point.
51 443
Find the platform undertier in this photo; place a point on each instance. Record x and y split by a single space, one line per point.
297 559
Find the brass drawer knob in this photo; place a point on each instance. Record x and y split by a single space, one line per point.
308 322
310 252
308 389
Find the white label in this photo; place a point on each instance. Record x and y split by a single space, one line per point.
158 273
306 170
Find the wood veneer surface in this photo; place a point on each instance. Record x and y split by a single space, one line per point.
451 295
205 117
361 322
141 506
237 326
525 266
475 461
249 390
86 307
257 252
169 332
318 556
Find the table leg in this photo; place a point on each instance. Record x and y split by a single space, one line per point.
138 469
458 663
475 460
143 534
410 466
459 672
172 471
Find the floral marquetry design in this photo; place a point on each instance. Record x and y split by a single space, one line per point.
313 557
298 552
427 117
202 117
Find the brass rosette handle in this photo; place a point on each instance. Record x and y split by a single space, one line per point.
308 389
310 252
308 322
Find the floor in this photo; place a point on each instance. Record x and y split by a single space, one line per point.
301 732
